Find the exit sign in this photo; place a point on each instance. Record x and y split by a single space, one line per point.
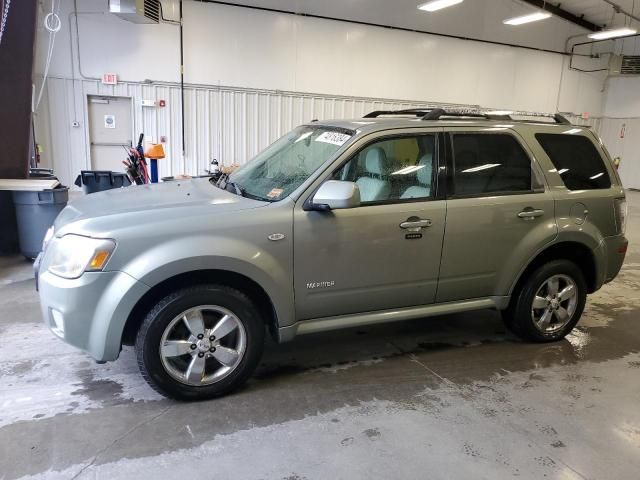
109 78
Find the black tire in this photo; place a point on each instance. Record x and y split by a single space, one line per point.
149 336
518 317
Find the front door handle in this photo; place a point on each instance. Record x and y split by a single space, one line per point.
416 223
530 213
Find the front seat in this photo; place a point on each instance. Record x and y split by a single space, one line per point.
424 176
372 187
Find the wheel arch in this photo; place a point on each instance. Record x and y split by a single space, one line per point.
575 251
198 277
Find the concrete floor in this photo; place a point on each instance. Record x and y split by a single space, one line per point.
447 397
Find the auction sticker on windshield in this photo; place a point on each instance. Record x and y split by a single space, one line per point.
275 193
336 138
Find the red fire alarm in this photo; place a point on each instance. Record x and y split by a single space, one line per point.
162 103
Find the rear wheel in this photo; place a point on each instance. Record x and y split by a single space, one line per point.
200 342
549 303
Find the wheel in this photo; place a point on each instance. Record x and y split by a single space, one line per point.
200 342
549 303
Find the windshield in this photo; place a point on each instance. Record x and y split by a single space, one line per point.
283 166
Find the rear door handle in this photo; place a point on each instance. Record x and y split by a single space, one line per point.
416 224
530 213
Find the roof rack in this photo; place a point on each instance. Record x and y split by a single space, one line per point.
437 113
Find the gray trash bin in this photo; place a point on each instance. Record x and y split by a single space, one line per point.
35 213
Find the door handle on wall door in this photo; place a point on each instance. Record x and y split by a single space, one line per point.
530 213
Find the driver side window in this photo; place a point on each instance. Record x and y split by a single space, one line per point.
393 169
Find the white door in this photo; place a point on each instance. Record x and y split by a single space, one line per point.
110 131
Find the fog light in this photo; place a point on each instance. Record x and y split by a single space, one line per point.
57 327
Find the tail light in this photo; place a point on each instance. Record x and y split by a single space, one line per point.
621 214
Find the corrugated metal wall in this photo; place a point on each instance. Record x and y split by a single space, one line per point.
229 124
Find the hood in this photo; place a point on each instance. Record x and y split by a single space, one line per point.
158 200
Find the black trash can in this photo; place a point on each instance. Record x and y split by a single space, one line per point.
9 229
35 213
93 181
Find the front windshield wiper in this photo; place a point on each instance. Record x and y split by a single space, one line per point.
238 188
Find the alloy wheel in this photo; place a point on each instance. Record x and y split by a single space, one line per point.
203 345
554 304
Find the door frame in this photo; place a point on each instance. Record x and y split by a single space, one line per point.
88 163
301 206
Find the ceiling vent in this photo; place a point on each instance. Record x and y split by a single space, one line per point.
136 11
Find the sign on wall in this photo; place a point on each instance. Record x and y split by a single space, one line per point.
109 121
109 78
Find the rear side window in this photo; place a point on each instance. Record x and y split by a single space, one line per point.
489 163
576 159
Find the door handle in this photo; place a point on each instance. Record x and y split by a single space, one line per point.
530 213
416 224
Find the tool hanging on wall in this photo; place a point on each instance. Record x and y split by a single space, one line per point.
136 164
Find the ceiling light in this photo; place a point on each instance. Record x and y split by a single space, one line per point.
618 32
434 5
531 17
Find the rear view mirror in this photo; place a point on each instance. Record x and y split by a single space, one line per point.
336 194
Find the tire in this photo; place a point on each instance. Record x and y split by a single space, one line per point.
187 366
557 318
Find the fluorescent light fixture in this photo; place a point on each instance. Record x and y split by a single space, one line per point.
486 166
531 17
434 5
572 131
618 32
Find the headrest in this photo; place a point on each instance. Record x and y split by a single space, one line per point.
375 161
425 174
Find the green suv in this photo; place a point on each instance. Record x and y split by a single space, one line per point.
394 216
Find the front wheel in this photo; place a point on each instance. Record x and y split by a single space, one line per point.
200 342
549 303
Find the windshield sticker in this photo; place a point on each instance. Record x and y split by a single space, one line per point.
275 193
335 138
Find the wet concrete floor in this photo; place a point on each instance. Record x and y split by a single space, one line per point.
447 397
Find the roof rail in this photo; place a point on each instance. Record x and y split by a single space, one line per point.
418 112
436 113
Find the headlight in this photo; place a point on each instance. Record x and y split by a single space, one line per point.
72 255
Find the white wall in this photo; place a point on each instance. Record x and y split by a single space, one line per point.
622 111
250 50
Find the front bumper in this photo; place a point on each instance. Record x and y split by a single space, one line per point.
90 312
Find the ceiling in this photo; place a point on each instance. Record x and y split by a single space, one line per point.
600 12
477 19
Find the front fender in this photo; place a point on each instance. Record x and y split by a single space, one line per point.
267 264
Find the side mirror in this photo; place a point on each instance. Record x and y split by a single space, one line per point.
336 194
